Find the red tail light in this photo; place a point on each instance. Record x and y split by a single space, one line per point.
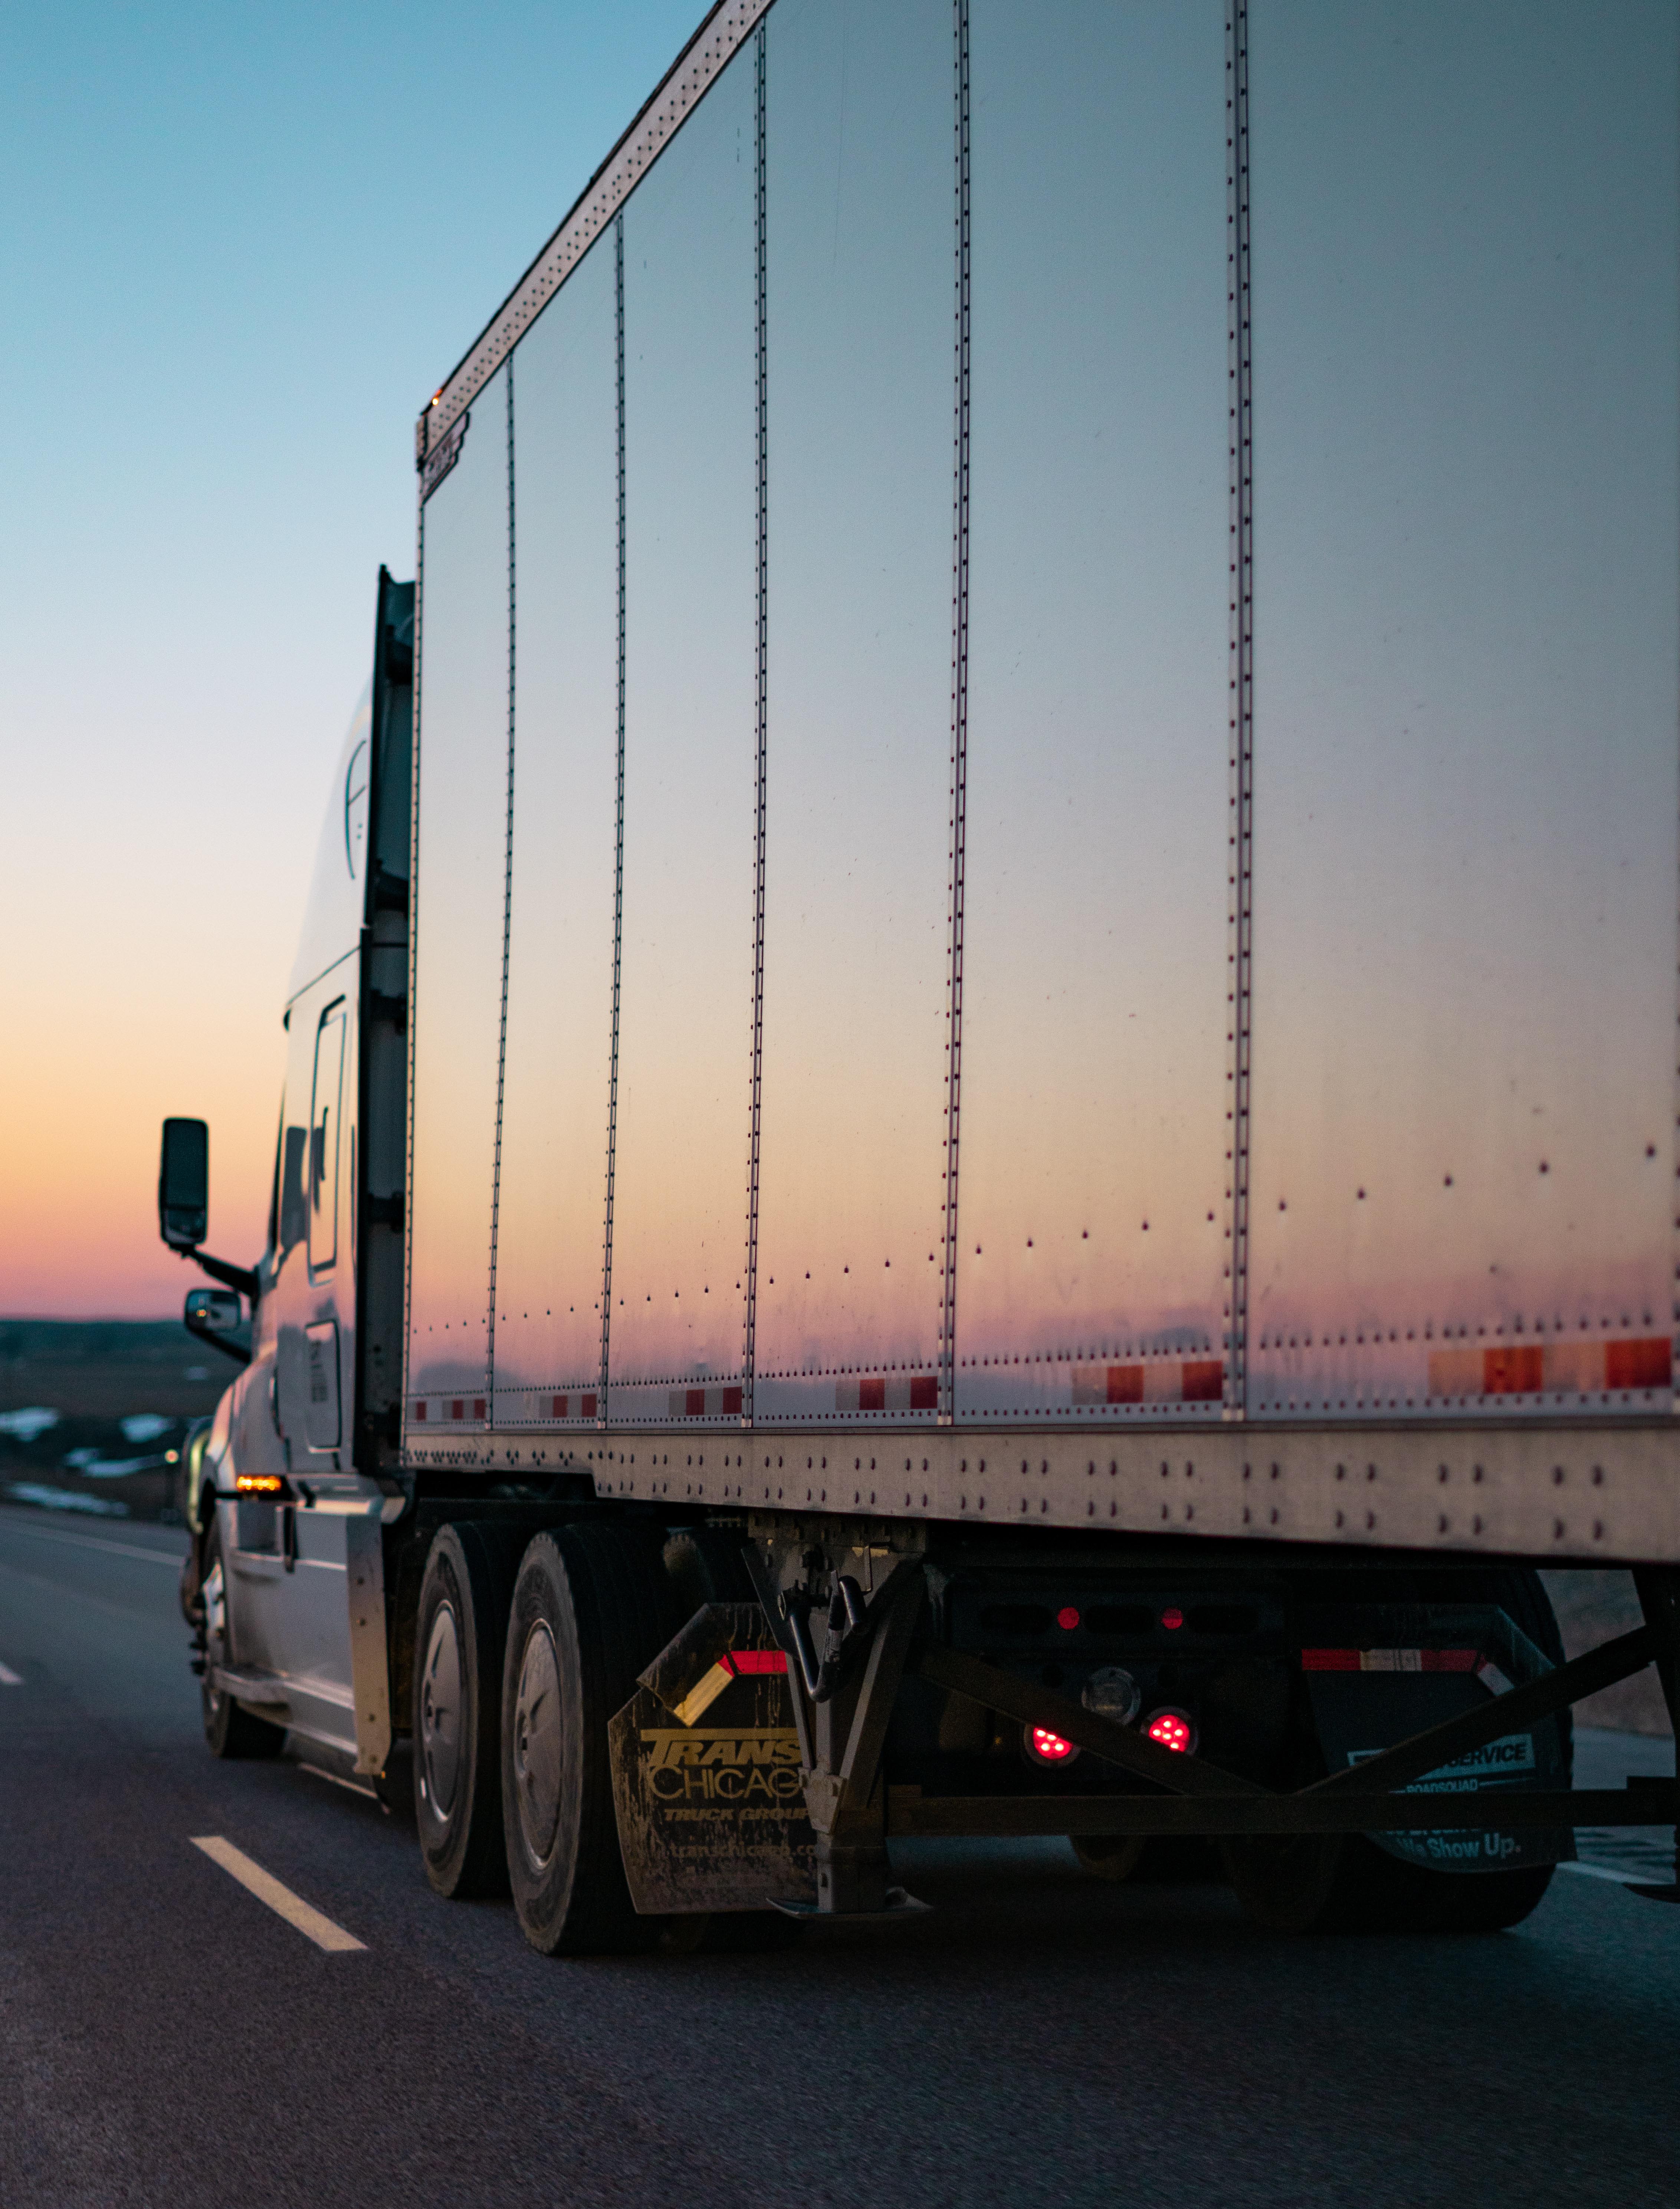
1174 1730
1045 1747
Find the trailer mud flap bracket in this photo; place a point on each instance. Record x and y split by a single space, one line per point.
844 1701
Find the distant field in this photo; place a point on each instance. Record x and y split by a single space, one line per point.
122 1394
107 1369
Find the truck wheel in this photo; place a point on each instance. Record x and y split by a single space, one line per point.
1113 1856
460 1631
1408 1898
1328 1883
704 1564
1344 1883
1285 1882
229 1730
592 1607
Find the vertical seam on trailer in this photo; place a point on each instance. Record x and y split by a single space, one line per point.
959 822
756 1089
506 918
413 920
1240 876
618 861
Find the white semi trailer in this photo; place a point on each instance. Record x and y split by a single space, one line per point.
979 1128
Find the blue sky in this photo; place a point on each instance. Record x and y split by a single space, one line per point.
240 248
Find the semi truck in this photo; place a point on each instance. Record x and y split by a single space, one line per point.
979 1128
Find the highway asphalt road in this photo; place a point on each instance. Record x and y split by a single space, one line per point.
166 2037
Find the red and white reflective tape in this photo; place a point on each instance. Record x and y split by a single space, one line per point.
733 1664
452 1410
573 1407
1407 1660
705 1403
1562 1369
1161 1381
910 1392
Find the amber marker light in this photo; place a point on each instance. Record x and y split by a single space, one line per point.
259 1483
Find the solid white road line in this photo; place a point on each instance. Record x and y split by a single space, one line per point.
171 1558
1622 1878
280 1899
9 1678
354 1786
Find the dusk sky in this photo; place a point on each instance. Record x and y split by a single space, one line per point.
241 249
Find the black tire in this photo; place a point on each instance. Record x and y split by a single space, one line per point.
1286 1882
459 1634
592 1607
1112 1856
1493 1901
704 1564
1344 1883
229 1730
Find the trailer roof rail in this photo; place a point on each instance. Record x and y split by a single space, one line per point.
720 35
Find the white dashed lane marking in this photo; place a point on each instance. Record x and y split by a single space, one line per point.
9 1678
280 1899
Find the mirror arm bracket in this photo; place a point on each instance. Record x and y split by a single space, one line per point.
242 1278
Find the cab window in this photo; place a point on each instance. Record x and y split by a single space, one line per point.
326 1115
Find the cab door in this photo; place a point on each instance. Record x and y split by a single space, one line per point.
323 1394
296 1574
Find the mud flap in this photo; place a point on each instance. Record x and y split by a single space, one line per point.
1428 1669
706 1773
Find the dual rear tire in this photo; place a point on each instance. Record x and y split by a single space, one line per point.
591 1608
1344 1883
459 1634
523 1654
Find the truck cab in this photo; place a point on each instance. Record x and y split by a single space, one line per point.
294 1499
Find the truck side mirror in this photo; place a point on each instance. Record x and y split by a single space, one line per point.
184 1185
217 1310
213 1316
